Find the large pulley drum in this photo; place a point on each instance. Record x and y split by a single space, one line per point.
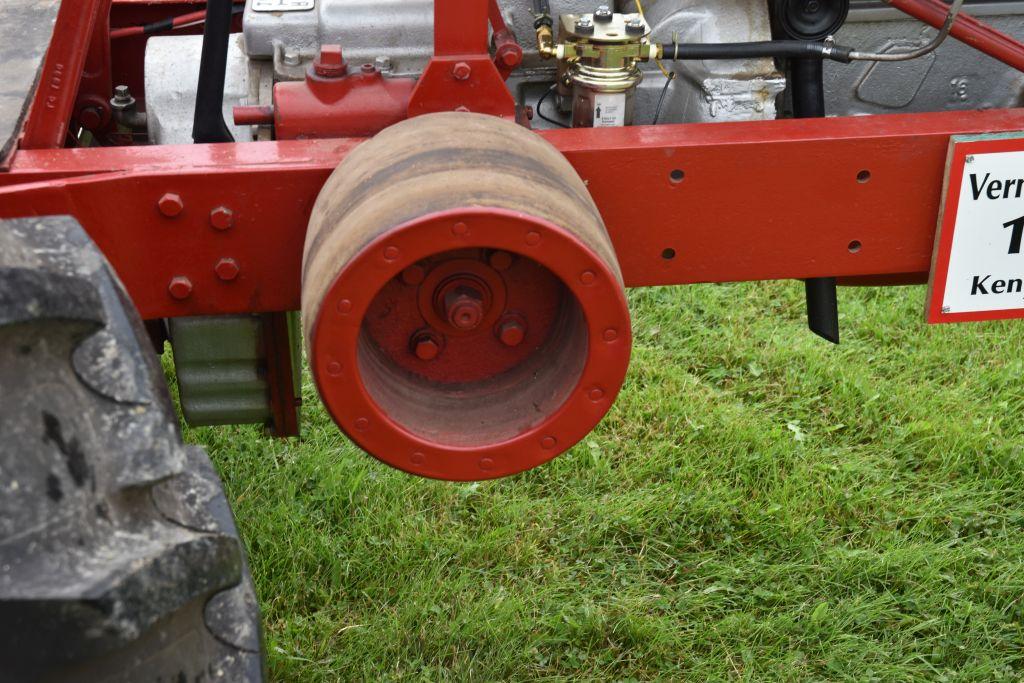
463 308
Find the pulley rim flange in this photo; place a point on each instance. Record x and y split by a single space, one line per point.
336 331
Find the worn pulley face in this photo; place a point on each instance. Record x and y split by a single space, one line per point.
464 313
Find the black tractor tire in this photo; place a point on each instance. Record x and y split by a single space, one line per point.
119 557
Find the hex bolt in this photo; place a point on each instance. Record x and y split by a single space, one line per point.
511 332
382 64
603 14
122 98
510 56
461 71
330 63
227 269
464 308
170 204
584 25
222 218
180 287
635 26
425 346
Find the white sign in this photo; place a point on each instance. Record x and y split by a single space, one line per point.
609 109
978 270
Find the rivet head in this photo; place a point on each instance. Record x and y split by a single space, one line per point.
344 306
222 218
417 458
587 277
334 368
486 464
170 204
362 424
595 394
533 238
460 229
180 287
391 253
227 269
611 334
500 260
548 442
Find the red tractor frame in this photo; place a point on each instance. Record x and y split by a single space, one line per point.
209 229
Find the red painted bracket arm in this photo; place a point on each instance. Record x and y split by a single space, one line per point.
461 75
508 54
53 105
967 30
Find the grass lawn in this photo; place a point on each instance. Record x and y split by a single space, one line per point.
758 505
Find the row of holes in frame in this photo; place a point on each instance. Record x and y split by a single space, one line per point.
677 175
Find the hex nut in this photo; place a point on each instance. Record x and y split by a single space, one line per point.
170 204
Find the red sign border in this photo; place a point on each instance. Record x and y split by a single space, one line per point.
960 147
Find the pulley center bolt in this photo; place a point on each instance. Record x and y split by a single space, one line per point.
464 307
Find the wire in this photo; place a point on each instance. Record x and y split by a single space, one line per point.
661 98
947 25
168 24
540 103
640 11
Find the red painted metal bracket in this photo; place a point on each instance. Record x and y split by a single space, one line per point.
461 75
967 30
55 97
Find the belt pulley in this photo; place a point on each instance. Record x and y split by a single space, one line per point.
463 308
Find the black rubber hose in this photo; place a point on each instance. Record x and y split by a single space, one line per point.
208 124
808 91
782 49
807 88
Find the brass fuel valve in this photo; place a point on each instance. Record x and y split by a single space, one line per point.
598 56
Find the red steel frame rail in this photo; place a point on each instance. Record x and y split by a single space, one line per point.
682 203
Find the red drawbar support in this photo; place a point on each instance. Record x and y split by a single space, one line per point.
461 76
682 203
